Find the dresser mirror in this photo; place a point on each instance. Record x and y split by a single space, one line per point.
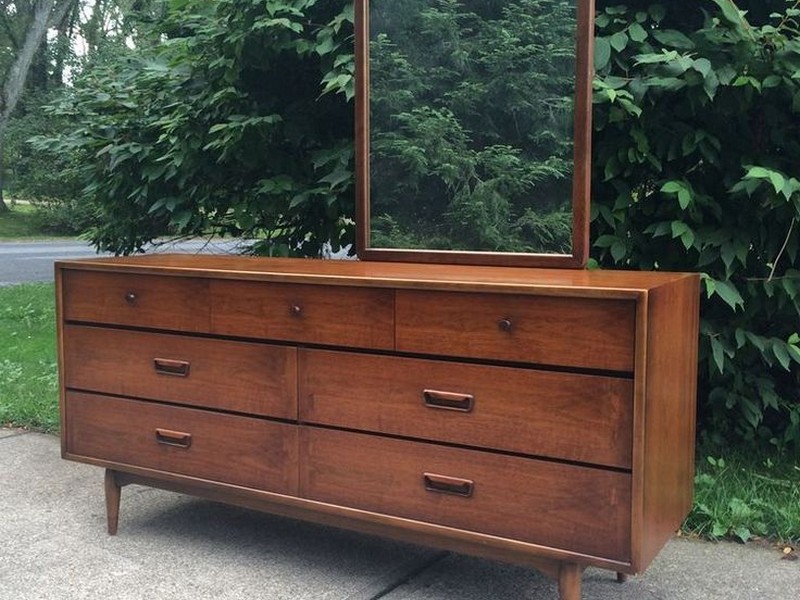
473 123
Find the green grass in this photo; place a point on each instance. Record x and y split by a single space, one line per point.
738 496
28 371
743 495
22 222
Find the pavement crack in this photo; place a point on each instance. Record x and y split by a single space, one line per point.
655 596
408 576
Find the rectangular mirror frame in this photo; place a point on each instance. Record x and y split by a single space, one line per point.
581 174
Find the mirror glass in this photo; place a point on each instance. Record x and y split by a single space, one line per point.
470 113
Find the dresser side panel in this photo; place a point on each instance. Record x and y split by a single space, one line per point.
668 442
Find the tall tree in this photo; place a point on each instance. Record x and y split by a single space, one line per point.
25 25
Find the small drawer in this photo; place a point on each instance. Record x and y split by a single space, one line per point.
575 417
589 333
238 450
235 376
565 507
328 315
171 303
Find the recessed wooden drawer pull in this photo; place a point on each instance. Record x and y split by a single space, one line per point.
448 400
166 366
441 484
173 438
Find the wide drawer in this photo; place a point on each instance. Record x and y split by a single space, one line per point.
562 415
589 333
238 450
235 376
172 303
314 314
566 507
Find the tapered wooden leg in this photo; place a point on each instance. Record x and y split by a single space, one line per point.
622 577
569 581
112 501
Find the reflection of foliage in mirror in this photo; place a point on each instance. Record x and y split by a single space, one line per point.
471 108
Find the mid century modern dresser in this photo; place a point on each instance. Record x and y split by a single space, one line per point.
540 416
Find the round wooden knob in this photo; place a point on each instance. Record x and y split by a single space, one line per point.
295 309
505 324
130 298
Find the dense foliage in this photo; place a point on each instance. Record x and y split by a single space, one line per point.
224 127
238 123
32 57
88 33
697 158
50 180
27 174
471 124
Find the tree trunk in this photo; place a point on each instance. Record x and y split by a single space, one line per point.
45 14
4 208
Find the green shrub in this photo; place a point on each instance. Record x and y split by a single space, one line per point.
46 178
236 123
696 154
64 216
697 168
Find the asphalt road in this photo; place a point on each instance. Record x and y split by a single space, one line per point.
21 262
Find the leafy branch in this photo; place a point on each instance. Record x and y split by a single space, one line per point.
696 155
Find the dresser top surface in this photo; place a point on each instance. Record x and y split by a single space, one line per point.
385 274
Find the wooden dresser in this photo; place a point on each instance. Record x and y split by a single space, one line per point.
538 416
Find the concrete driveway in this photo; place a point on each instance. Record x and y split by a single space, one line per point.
54 546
